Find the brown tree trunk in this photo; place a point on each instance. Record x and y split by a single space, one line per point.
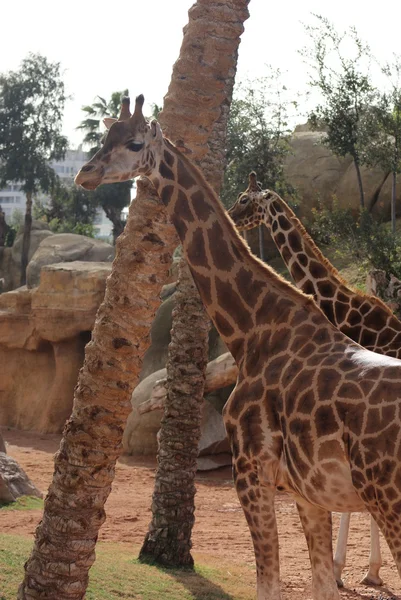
3 228
360 184
393 202
195 110
85 463
26 240
168 540
375 196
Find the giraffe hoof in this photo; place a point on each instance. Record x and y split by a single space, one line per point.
339 583
371 580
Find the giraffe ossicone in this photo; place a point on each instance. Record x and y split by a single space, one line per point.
312 411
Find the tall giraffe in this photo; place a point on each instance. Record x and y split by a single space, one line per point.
364 318
312 413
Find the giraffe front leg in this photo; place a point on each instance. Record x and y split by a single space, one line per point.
316 524
375 558
257 502
341 548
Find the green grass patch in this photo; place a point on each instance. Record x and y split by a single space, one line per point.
117 574
24 503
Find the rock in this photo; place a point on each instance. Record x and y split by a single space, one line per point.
208 463
318 175
213 434
14 482
66 247
141 430
313 169
43 333
140 435
68 297
39 232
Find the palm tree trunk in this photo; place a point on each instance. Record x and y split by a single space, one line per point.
92 439
26 240
168 540
205 71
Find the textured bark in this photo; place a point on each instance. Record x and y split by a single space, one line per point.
92 438
168 540
220 372
3 228
195 110
26 240
2 445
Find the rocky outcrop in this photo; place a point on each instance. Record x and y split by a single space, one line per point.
10 258
140 436
66 247
318 175
43 332
14 482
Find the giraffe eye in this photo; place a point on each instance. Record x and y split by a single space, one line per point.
134 147
243 200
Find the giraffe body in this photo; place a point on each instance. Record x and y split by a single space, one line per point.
312 412
365 319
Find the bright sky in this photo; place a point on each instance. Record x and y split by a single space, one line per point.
104 47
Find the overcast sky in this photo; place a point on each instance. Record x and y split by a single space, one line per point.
107 47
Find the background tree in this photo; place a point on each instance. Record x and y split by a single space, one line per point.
112 197
71 210
385 152
31 109
258 135
346 90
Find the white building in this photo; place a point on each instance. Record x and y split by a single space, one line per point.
11 198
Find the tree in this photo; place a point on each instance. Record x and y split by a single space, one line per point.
385 152
31 109
71 209
258 135
203 127
116 196
84 466
346 90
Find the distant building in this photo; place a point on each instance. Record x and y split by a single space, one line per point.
11 198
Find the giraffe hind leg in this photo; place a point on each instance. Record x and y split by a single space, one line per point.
375 560
341 548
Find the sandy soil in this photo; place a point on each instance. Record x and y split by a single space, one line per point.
220 528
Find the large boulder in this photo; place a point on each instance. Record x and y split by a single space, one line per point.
39 232
14 482
43 332
66 247
313 169
140 436
319 176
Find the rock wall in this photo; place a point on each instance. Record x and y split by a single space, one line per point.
319 175
43 332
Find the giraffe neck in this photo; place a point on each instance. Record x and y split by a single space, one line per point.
365 319
239 292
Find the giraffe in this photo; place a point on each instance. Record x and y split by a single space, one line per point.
364 318
313 413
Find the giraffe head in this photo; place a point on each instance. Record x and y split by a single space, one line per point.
250 208
129 149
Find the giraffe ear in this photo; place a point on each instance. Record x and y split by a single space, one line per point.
108 121
155 129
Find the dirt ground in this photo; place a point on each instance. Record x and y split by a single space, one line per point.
220 528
